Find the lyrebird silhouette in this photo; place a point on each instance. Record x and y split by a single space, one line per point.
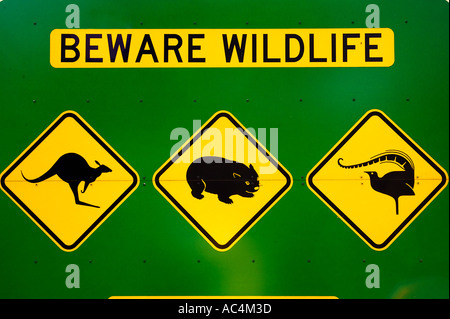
394 184
73 169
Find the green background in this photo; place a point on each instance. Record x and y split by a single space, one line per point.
299 247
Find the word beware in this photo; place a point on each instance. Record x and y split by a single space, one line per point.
83 48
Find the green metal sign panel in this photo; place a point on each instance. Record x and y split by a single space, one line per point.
297 74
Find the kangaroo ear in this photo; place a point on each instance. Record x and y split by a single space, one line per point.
96 162
236 175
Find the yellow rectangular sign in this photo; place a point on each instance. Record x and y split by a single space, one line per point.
218 48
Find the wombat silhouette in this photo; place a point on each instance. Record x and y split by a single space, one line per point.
73 169
223 177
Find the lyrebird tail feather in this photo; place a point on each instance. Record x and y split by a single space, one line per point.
391 156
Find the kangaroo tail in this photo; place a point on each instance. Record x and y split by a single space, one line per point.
47 175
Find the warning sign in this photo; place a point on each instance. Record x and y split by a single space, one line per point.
69 180
377 179
221 48
222 180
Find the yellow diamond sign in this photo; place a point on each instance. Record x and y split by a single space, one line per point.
69 180
222 180
377 179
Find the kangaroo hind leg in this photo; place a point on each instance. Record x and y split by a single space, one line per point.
74 188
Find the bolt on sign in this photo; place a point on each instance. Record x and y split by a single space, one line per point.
69 180
222 180
377 179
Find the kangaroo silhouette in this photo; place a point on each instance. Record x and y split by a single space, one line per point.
394 184
73 169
